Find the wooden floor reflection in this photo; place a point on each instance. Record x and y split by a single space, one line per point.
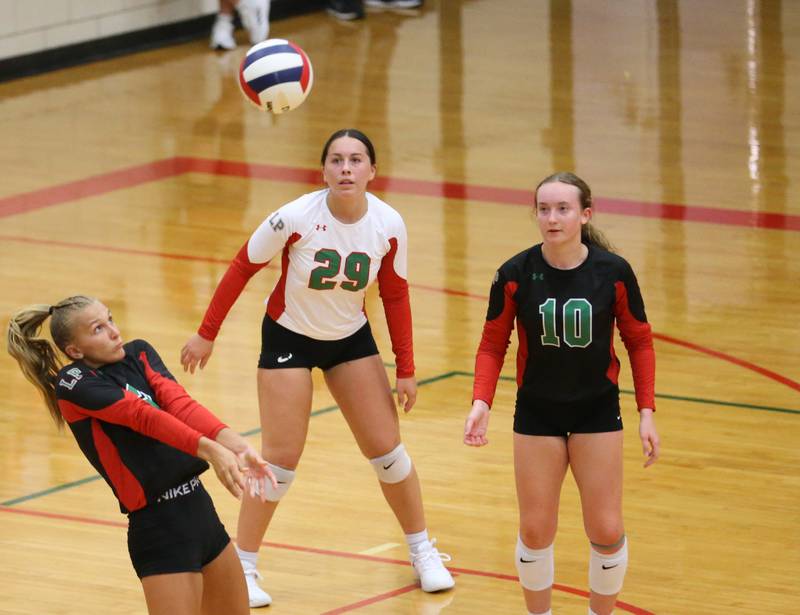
137 179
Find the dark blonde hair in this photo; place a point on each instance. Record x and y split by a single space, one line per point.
37 357
589 233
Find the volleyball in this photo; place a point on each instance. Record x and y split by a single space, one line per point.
276 75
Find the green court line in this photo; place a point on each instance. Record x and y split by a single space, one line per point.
423 382
696 400
44 492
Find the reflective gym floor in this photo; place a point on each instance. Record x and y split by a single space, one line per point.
136 179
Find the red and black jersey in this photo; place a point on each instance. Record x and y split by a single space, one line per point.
136 425
565 321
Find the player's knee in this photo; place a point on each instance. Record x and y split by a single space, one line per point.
608 534
394 466
534 566
542 531
284 479
607 570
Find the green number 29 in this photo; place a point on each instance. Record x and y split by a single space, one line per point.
356 270
577 323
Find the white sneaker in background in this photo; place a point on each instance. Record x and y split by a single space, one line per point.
429 569
255 18
257 596
222 33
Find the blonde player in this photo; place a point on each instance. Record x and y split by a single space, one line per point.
150 441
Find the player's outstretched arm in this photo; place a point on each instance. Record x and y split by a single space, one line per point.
227 465
256 469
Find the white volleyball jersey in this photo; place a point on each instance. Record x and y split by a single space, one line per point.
326 266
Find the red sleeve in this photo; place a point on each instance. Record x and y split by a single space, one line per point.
495 339
228 290
174 399
638 339
397 307
137 414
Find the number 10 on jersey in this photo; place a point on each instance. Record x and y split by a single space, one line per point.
577 323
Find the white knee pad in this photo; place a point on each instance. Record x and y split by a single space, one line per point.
284 478
534 566
607 571
394 466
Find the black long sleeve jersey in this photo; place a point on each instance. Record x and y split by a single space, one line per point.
565 321
136 425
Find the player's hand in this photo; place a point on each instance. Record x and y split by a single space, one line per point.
651 445
406 393
196 351
477 424
227 465
257 473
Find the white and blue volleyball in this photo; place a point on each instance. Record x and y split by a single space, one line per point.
276 75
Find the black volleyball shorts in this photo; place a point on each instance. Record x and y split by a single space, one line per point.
179 532
282 348
538 417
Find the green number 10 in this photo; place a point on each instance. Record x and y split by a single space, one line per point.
577 323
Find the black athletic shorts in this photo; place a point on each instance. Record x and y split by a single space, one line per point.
179 532
282 348
538 417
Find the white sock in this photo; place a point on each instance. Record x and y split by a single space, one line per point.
247 557
224 17
416 540
547 612
591 612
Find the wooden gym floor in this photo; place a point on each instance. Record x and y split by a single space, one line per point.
136 179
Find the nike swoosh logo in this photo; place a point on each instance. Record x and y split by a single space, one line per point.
281 482
284 359
528 561
604 567
389 466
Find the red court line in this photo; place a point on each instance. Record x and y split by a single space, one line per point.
690 213
374 599
731 359
90 186
317 551
665 338
61 517
231 168
509 196
101 248
170 167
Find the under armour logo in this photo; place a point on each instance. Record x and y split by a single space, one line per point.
323 227
537 276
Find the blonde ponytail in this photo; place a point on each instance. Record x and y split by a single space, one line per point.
37 357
